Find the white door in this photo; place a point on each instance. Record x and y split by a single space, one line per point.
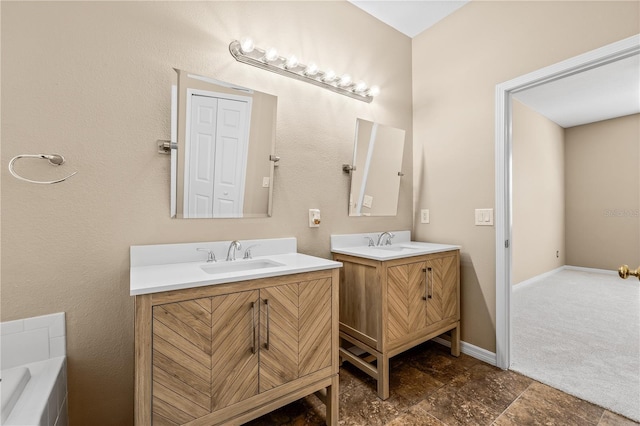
217 155
230 158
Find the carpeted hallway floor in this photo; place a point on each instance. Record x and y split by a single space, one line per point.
579 331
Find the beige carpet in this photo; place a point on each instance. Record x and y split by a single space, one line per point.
580 332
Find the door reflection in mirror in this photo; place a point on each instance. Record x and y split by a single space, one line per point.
216 154
377 158
225 137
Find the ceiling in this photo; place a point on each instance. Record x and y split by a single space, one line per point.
410 17
601 93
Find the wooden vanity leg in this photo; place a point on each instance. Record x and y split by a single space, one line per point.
455 340
331 403
383 376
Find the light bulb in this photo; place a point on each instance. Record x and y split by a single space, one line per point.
312 69
329 76
345 80
292 62
246 45
271 54
373 91
361 86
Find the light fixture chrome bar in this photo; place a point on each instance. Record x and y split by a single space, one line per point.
279 65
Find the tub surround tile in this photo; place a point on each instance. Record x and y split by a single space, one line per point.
25 347
10 327
58 346
54 322
33 339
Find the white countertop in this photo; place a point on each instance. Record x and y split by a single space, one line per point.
147 277
401 247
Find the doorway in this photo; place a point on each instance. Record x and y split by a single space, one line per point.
503 150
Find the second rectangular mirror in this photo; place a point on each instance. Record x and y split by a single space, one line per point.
376 169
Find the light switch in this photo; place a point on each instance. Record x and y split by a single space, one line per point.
484 217
265 182
424 216
367 201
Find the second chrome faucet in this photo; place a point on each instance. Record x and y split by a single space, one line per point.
387 234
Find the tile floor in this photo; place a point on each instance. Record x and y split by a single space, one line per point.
432 388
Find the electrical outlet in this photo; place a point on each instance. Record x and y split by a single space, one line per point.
424 216
314 218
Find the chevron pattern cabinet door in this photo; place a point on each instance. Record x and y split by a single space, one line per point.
314 326
278 335
181 361
443 281
406 307
234 348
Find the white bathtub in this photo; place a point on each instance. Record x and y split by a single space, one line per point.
33 386
35 394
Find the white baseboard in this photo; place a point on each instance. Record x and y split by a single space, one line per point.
598 271
471 350
562 268
537 278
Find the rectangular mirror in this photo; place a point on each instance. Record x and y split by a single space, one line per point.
376 169
223 141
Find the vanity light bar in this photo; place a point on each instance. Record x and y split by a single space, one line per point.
268 59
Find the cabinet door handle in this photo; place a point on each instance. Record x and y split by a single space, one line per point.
253 326
429 283
426 284
266 345
427 287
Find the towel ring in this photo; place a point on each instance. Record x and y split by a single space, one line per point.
54 160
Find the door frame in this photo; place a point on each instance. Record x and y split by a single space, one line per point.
503 168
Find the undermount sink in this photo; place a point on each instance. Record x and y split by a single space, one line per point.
393 248
239 266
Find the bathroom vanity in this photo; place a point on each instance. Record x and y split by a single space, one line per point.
225 342
394 297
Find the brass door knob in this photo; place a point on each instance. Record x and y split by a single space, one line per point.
624 272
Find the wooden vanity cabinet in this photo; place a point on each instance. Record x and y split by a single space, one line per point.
228 353
387 307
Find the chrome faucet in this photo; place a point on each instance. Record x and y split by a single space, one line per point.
210 256
389 236
371 243
233 247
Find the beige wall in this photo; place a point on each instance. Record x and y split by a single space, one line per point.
538 228
456 66
91 80
603 193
